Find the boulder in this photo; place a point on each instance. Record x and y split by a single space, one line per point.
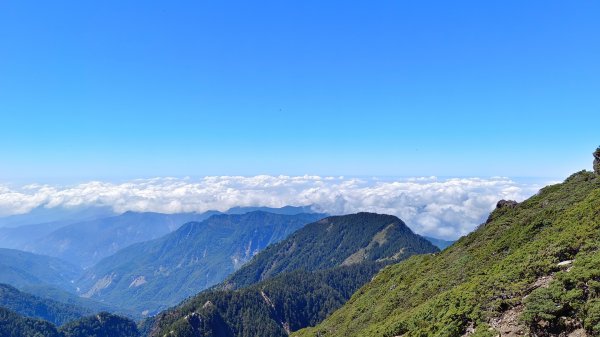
506 204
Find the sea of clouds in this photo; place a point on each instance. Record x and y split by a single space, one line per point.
446 208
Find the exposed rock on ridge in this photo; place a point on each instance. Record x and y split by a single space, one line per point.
506 204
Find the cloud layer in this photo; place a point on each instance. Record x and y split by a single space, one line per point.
443 208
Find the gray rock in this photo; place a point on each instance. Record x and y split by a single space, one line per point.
506 204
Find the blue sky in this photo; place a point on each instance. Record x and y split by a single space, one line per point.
129 89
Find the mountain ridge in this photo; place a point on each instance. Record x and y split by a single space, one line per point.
298 281
195 256
297 251
526 270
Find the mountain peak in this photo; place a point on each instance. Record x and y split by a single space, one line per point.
368 216
335 241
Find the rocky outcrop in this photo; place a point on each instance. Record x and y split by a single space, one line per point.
506 204
501 208
597 161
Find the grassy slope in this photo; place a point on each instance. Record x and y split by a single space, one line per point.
490 271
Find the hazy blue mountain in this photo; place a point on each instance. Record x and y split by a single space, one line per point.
86 243
301 280
73 299
287 210
38 307
441 244
23 230
63 215
22 269
22 237
152 275
48 278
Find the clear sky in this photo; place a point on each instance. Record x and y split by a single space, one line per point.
129 89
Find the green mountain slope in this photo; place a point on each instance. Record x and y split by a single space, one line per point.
156 274
100 325
37 307
532 269
274 307
304 279
15 325
332 242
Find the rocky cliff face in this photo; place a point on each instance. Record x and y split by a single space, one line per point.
597 161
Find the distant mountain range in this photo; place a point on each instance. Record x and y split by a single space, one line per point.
299 281
88 242
139 263
60 215
153 275
441 244
85 242
285 210
23 269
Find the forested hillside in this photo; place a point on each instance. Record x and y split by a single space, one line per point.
153 275
99 325
37 307
302 279
332 242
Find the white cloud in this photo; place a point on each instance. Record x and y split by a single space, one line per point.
444 208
